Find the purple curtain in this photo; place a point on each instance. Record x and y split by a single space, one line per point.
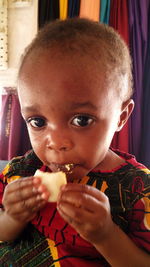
138 26
14 138
145 135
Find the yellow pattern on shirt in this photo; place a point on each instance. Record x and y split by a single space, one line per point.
54 251
146 200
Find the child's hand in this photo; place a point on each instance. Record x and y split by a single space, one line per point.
87 210
23 198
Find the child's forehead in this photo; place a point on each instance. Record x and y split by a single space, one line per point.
71 65
67 78
72 76
74 62
58 82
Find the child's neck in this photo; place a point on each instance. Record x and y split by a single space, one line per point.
111 161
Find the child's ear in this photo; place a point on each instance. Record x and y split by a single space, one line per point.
126 110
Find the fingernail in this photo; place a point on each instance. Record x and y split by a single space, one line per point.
43 196
62 187
39 197
35 190
60 206
36 180
40 189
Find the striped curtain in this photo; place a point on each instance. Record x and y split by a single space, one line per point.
90 9
104 11
14 140
63 9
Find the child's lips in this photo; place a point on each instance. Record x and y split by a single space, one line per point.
65 167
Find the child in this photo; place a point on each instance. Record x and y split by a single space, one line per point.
74 88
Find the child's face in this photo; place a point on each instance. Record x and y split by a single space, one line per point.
70 114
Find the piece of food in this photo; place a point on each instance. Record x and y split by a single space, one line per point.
53 182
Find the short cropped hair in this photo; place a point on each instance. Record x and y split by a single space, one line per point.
90 39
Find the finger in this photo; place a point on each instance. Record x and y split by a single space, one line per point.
19 195
25 216
88 202
34 203
42 189
19 184
37 181
84 189
26 190
74 215
91 227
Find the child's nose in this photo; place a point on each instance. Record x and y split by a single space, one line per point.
58 142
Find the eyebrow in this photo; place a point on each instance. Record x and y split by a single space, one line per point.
30 109
74 105
87 104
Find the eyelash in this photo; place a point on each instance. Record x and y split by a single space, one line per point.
85 119
34 120
79 121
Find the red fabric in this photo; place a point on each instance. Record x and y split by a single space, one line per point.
67 240
137 218
119 21
130 181
119 18
14 139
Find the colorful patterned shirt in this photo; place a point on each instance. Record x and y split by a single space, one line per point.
49 241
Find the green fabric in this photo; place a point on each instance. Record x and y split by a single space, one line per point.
105 11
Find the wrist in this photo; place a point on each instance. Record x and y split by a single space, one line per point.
15 227
107 237
12 219
118 249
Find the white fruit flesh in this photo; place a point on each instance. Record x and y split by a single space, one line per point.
53 182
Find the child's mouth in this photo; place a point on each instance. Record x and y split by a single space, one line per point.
67 167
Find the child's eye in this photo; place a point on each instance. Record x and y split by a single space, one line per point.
36 122
82 121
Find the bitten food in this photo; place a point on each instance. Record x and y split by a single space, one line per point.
53 182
